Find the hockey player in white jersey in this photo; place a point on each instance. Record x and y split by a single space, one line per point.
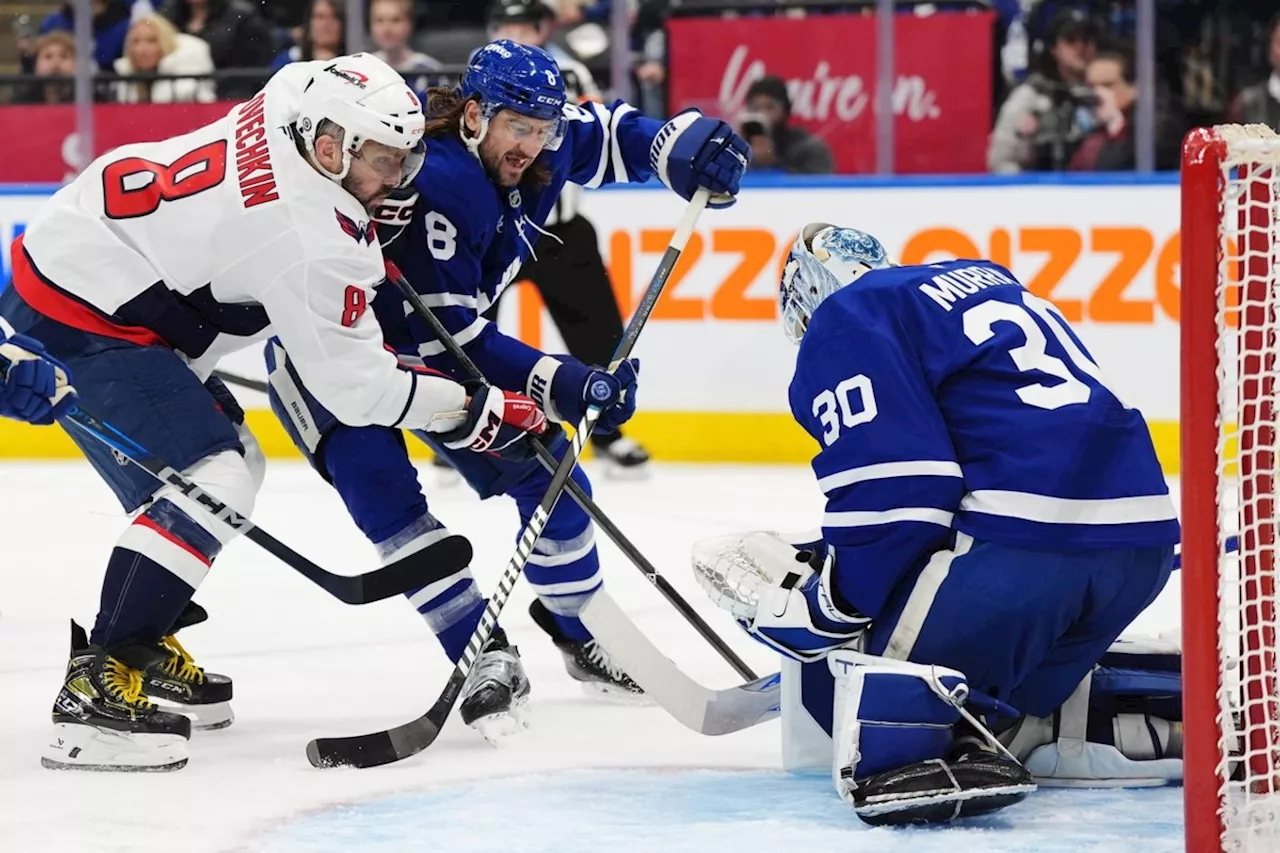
150 266
34 386
996 516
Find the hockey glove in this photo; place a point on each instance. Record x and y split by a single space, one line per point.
34 386
576 386
496 422
779 595
692 151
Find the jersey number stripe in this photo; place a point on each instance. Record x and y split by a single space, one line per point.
134 186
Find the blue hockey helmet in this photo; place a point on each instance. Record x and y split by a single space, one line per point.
505 75
823 259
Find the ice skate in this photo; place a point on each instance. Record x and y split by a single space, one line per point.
102 720
181 686
587 661
622 458
495 697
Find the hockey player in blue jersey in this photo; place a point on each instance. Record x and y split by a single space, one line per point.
499 149
996 515
34 386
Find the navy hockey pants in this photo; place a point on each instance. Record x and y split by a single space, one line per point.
1024 626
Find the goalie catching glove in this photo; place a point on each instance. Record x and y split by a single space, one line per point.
495 421
779 595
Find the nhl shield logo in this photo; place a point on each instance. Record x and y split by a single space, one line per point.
514 198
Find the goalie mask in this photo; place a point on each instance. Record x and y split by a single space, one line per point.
823 259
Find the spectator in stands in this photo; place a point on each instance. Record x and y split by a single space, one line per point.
237 34
775 142
1260 103
110 24
55 56
324 37
1110 147
154 46
1045 117
390 26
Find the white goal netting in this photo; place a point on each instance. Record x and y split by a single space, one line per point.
1248 323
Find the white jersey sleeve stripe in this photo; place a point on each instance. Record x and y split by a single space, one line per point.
466 336
445 300
619 163
926 514
888 470
602 116
6 331
1051 510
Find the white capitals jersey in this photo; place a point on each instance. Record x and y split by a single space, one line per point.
215 240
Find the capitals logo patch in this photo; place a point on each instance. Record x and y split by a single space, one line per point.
361 232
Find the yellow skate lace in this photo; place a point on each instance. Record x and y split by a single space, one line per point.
125 683
180 664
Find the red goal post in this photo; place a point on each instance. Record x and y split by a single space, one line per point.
1230 322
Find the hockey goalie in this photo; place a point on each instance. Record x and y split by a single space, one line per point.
995 518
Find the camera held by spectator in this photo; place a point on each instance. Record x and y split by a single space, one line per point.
775 142
1045 117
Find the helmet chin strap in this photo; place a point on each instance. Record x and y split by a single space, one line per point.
473 142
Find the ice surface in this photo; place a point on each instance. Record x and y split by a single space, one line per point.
306 665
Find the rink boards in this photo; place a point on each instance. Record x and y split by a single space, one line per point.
715 365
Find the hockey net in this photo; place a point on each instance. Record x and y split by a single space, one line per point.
1230 343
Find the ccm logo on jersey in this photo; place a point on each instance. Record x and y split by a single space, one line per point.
361 232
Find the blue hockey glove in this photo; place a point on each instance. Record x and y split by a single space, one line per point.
496 422
692 151
34 386
575 386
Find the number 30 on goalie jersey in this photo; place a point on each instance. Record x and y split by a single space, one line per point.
948 397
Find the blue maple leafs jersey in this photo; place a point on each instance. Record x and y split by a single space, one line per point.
467 237
948 397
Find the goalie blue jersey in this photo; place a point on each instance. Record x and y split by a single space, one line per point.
467 238
947 397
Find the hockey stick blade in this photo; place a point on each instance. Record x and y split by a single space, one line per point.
405 575
707 711
391 745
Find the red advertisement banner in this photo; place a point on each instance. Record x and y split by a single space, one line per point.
941 97
41 143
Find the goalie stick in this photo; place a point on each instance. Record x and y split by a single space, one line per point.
403 741
399 577
707 711
575 491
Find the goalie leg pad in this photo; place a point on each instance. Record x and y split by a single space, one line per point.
895 759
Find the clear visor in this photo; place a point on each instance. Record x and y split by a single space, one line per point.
390 167
548 133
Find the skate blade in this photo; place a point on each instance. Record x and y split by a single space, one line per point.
204 718
616 695
84 747
496 728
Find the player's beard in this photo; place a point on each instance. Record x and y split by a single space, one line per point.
370 198
500 166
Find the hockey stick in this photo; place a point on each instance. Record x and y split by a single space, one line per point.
707 711
399 577
243 381
405 575
578 493
384 747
